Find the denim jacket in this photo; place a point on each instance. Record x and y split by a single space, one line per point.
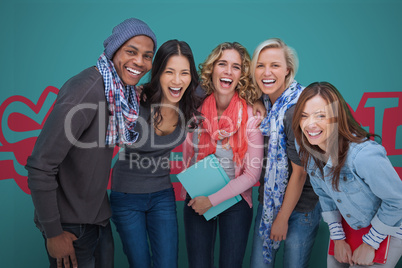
370 190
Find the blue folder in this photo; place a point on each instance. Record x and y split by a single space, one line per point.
204 178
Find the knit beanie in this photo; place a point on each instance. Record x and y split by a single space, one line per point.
125 31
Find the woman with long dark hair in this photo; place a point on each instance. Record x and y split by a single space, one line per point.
142 197
351 174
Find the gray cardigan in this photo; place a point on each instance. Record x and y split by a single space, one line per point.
68 171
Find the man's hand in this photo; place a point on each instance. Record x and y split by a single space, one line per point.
342 252
200 204
364 255
61 248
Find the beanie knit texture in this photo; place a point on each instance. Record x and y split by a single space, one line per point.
125 31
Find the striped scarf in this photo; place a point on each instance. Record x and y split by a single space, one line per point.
123 105
276 173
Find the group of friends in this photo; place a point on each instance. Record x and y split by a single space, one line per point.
311 158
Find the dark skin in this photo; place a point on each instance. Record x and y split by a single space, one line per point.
61 248
136 54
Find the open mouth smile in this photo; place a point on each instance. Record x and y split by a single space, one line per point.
175 91
268 82
314 134
226 82
133 71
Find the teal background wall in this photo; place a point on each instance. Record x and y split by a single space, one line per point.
353 44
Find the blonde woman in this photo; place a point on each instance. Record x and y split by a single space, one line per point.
288 208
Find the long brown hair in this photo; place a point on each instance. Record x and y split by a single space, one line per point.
348 130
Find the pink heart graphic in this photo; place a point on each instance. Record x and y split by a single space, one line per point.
18 122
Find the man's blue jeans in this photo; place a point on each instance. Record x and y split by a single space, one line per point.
302 230
234 226
141 216
94 246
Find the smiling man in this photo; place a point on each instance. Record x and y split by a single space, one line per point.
68 171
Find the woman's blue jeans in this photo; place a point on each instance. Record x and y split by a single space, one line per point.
302 230
94 246
139 217
234 226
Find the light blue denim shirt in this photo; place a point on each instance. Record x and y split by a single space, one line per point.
370 190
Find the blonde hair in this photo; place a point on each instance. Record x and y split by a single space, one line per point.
292 61
245 87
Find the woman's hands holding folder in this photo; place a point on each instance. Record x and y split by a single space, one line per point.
342 252
200 204
364 255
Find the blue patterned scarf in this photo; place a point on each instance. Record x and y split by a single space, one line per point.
123 105
276 173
